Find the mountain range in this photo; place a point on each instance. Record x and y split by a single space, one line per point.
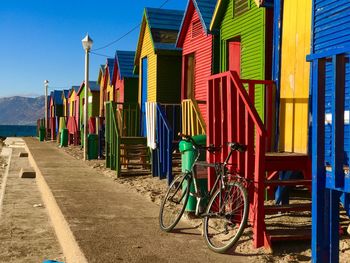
21 110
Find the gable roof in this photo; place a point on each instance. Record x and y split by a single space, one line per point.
110 66
56 96
164 25
93 86
220 8
205 10
65 93
75 88
125 62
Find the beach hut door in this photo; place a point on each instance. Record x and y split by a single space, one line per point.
234 56
144 95
190 71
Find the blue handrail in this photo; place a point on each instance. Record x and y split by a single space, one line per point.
168 122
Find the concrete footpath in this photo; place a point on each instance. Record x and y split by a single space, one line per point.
98 220
26 233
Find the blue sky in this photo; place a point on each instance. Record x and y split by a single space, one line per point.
41 39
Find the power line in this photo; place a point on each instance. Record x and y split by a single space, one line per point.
99 54
126 34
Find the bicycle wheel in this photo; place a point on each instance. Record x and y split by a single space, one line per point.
225 220
174 202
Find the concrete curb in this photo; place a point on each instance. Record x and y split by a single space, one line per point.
4 181
70 247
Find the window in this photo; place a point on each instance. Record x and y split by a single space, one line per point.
240 7
196 29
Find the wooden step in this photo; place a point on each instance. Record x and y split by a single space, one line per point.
287 182
135 164
289 234
273 209
133 155
286 161
134 172
134 140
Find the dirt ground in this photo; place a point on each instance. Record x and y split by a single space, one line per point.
283 252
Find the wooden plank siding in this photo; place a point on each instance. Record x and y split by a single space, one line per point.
119 86
147 50
201 45
101 82
295 72
250 28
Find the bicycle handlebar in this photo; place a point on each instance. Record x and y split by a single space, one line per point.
235 146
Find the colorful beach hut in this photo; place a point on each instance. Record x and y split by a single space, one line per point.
93 106
101 82
56 111
125 81
109 72
158 60
200 59
330 53
73 119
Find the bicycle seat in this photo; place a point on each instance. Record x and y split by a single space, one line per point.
235 146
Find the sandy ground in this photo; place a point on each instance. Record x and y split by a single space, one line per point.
291 251
26 233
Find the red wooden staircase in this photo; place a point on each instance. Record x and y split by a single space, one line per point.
232 116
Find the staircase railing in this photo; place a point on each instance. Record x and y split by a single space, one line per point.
192 120
112 138
168 125
232 116
130 124
122 120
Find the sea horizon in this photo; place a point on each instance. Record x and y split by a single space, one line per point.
17 130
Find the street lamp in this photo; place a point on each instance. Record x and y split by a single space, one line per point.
87 44
46 84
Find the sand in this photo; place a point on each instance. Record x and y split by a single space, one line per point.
291 251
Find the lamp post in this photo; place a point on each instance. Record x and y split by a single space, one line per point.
46 84
87 44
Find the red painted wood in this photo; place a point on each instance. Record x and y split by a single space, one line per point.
201 46
234 56
118 84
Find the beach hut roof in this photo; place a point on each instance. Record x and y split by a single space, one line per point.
65 93
110 65
221 6
164 25
56 96
93 86
205 10
75 88
125 62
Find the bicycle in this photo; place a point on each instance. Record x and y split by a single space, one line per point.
226 213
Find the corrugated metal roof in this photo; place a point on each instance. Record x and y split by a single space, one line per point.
57 97
205 10
125 62
94 86
65 93
164 18
76 88
164 25
110 65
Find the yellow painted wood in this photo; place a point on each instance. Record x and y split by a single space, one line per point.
147 50
295 73
71 102
101 83
65 105
109 88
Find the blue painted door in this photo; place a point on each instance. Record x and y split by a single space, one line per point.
144 96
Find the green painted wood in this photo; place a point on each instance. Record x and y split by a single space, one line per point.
250 28
131 90
168 79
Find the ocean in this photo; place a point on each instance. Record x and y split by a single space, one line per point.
17 130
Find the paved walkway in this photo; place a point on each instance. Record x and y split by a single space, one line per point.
108 222
26 233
